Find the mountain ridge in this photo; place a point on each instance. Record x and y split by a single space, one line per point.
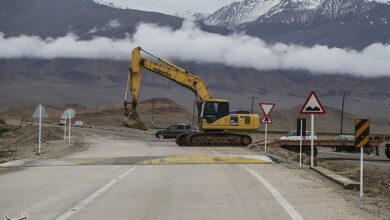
238 13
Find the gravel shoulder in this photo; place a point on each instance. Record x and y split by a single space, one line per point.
377 181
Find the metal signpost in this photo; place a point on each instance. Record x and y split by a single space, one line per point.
266 108
68 114
362 140
313 107
301 131
63 116
40 113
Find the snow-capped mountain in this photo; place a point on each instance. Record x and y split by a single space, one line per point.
191 15
286 11
110 4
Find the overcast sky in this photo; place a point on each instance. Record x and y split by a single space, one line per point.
173 6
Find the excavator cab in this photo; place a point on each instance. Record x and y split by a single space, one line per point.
216 116
214 109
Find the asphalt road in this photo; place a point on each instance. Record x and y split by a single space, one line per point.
106 181
372 160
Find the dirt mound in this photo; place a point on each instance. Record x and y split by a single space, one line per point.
2 121
160 100
22 143
28 135
80 109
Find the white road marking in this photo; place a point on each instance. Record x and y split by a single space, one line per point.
379 164
282 201
90 198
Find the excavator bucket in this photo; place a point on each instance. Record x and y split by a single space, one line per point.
134 121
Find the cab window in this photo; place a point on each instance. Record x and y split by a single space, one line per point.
213 111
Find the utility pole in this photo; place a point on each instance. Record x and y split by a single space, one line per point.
342 115
253 101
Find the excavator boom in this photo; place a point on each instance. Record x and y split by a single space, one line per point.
164 68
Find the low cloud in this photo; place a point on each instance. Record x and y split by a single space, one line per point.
189 43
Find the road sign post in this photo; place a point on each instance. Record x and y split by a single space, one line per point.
40 129
70 125
65 129
265 137
40 113
266 108
301 131
312 142
362 140
68 114
313 107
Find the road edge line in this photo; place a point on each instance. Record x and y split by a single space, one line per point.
292 212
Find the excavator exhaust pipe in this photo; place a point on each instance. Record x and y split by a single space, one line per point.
132 120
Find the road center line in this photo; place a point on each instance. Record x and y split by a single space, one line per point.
282 201
92 197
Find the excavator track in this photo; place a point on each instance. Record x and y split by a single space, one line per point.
213 139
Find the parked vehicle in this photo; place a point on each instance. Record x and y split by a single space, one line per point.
62 122
78 124
292 136
176 129
345 138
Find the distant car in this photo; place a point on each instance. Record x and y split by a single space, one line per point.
78 124
62 122
345 138
292 136
174 130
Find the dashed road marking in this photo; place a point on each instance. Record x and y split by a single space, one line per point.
92 197
282 201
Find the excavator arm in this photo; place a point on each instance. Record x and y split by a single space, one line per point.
163 68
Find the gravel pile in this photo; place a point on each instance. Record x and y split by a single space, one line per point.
28 135
22 143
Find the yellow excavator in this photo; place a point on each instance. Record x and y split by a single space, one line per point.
215 119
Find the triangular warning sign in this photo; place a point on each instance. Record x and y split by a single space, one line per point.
40 110
312 105
267 108
266 120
